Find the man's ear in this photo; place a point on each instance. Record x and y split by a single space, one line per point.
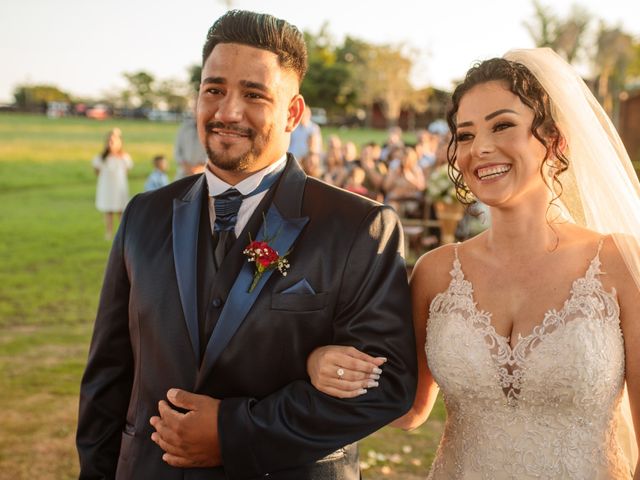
294 112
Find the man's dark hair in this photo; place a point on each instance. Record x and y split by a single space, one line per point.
260 30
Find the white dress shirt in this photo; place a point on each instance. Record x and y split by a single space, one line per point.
246 186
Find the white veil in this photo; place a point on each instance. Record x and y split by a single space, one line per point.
600 189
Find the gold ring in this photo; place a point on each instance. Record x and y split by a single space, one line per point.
340 372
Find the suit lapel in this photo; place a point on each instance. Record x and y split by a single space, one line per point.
185 225
284 220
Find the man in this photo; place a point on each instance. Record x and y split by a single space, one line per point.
306 138
188 152
197 367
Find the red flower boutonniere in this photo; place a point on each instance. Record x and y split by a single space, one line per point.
265 258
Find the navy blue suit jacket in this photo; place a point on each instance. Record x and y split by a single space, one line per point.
347 285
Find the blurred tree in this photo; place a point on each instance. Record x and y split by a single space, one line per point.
35 97
386 79
542 25
328 79
421 101
634 65
173 94
140 91
195 72
355 54
615 53
356 74
571 33
567 36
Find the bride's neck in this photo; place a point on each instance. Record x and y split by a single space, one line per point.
521 231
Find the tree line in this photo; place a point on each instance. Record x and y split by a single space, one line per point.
352 77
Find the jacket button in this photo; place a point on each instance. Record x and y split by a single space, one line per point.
216 302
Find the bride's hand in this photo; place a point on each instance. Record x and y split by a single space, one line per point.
343 372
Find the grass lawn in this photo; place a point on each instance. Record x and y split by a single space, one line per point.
52 256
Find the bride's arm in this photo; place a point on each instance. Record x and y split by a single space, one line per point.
630 321
427 391
629 301
360 371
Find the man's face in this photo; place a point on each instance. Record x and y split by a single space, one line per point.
247 107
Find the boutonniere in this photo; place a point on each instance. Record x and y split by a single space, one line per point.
265 258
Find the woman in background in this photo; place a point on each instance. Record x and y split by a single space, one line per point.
404 185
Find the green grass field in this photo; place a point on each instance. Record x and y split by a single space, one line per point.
52 256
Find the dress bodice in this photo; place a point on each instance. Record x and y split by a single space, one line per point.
546 408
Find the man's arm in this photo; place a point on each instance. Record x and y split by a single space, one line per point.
106 383
373 314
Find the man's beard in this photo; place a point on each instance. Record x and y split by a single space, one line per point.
239 163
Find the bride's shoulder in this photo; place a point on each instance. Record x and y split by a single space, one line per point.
436 260
605 246
613 261
432 272
608 250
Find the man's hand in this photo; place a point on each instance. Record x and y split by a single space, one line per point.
188 439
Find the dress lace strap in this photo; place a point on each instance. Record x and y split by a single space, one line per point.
594 265
456 271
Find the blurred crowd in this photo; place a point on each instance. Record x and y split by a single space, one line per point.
410 177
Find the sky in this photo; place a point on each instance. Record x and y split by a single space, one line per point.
84 46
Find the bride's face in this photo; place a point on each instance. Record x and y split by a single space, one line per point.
496 152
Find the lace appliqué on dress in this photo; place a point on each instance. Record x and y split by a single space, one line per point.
544 409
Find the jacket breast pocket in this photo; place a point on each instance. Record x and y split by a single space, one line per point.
128 442
296 302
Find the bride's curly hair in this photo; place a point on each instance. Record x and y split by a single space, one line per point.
521 82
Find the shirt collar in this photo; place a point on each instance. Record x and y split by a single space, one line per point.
246 186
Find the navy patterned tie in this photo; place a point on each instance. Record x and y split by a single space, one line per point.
226 206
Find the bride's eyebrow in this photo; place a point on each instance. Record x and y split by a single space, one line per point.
488 117
498 112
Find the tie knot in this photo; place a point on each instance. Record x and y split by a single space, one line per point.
228 195
226 206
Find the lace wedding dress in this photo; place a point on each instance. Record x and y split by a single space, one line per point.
545 409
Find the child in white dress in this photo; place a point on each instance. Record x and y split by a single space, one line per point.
112 167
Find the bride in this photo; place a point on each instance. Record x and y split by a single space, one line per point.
532 328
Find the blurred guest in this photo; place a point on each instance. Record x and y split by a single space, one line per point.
404 185
112 191
355 183
311 164
440 156
439 127
375 170
189 152
426 148
335 171
306 138
435 175
394 140
393 157
350 155
158 177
